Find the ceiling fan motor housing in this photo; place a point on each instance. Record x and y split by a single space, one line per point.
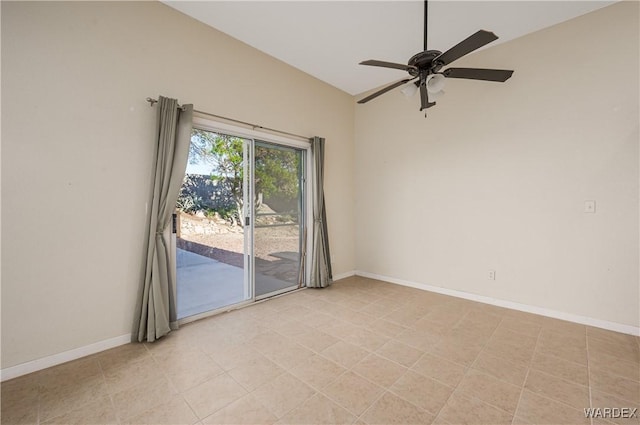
423 61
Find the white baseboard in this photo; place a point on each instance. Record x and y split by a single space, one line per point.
66 356
344 275
604 324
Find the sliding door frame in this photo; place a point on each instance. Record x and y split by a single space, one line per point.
253 136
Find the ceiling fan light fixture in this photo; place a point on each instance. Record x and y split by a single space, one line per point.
436 95
435 83
409 90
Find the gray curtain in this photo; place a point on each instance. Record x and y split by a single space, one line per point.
156 308
321 275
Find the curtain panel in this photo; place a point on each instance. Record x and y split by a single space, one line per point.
321 274
156 307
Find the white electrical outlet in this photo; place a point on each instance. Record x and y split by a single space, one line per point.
492 275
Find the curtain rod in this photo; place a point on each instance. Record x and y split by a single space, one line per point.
152 102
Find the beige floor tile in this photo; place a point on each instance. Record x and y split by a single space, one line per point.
98 412
479 324
421 391
503 336
439 369
174 340
341 329
291 329
513 352
618 386
564 327
520 326
355 304
315 339
355 317
244 411
368 340
60 400
376 309
253 373
288 354
124 354
318 410
23 414
430 327
129 375
503 369
84 371
20 394
421 339
602 400
317 371
283 394
213 395
345 354
521 315
570 371
391 409
558 389
136 400
461 410
456 350
444 316
623 350
191 371
401 353
174 412
553 340
267 341
379 370
353 392
490 390
296 310
386 328
173 350
468 337
232 356
614 366
403 317
535 409
610 336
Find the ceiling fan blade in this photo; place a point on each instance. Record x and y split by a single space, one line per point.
424 98
466 46
384 90
372 62
500 75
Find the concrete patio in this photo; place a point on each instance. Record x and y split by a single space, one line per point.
205 284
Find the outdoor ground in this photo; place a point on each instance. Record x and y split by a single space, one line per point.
218 239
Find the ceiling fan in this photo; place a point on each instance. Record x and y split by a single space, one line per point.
425 67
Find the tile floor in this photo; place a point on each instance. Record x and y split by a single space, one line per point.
361 351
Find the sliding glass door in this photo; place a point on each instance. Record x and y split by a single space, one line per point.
240 222
212 239
278 238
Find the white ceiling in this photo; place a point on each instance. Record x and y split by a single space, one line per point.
327 39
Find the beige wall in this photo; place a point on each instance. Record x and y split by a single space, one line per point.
77 139
496 176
